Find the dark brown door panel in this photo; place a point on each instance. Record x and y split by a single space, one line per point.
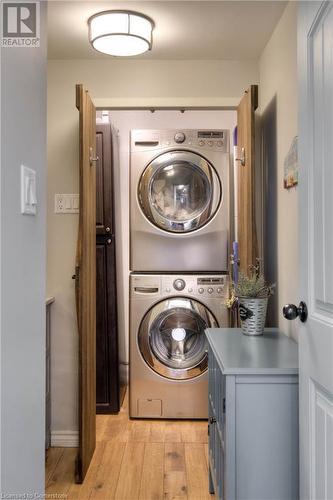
107 363
104 180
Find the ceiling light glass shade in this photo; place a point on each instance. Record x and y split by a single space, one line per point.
120 33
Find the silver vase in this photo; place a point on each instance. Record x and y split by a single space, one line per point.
252 312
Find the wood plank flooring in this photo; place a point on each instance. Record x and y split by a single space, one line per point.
136 460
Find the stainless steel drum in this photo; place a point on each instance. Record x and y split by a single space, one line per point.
179 191
172 340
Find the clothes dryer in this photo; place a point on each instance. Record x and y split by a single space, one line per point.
179 195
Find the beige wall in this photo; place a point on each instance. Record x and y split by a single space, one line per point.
159 83
126 83
278 110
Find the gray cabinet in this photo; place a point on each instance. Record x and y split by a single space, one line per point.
253 415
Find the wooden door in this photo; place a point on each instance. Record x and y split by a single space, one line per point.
315 41
86 282
247 234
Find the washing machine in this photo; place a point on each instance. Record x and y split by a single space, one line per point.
179 196
168 349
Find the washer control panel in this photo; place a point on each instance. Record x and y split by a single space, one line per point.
200 286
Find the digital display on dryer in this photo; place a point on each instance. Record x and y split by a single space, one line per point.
210 134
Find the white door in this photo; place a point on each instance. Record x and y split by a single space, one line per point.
315 45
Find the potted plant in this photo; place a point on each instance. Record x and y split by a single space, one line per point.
251 294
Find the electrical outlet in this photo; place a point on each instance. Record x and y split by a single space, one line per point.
59 203
66 203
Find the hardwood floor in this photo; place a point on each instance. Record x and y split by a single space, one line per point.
136 460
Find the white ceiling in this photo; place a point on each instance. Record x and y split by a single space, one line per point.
183 30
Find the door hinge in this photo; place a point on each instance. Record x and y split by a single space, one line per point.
92 159
241 156
223 405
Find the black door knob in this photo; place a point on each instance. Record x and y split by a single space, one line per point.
290 311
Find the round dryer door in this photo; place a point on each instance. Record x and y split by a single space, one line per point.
172 339
179 191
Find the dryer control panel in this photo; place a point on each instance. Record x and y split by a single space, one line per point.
205 286
194 139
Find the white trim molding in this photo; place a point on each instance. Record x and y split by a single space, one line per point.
65 439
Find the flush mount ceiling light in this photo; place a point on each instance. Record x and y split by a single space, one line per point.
120 32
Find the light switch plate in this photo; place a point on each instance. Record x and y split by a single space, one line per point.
28 191
66 203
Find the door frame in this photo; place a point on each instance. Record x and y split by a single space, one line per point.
181 109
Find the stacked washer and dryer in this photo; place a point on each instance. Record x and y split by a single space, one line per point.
179 237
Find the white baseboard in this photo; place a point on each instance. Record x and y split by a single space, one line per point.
65 439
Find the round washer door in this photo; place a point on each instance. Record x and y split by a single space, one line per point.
179 191
172 340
